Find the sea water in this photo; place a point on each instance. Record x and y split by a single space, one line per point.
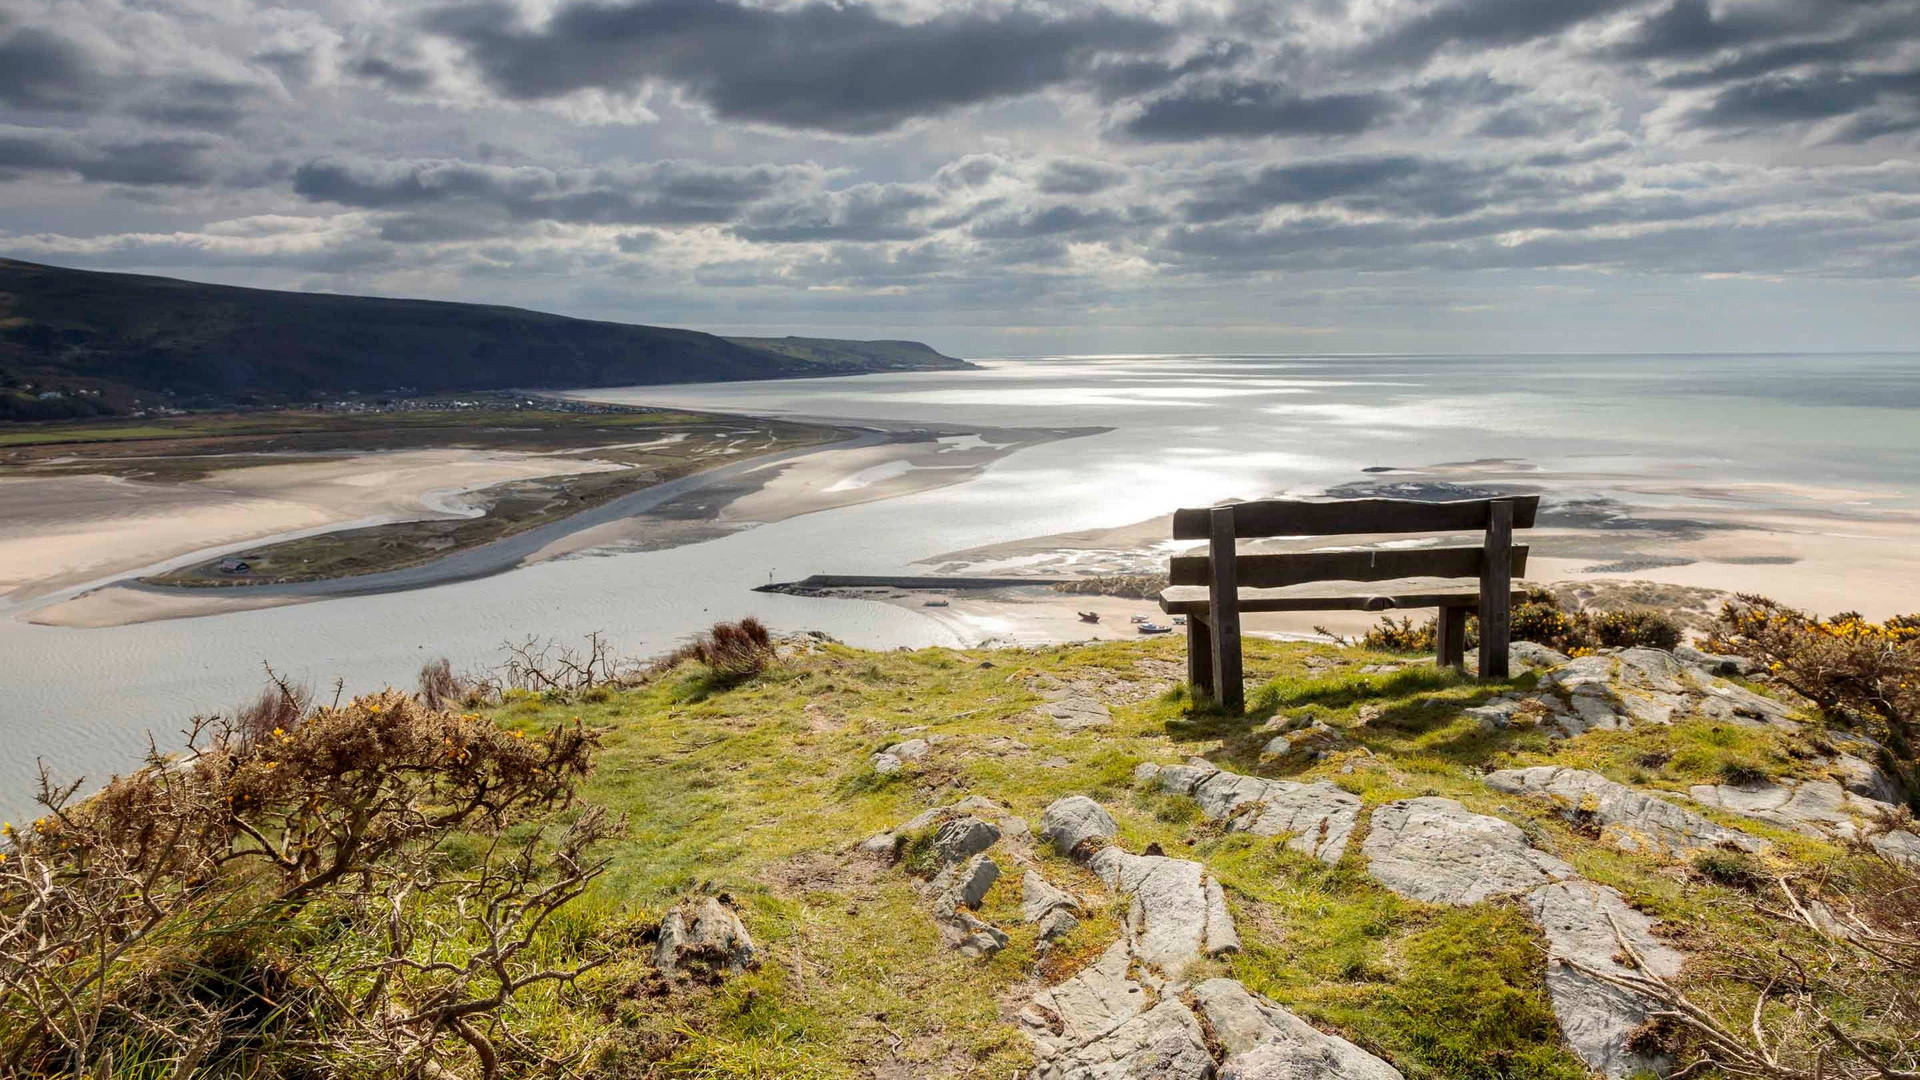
1832 432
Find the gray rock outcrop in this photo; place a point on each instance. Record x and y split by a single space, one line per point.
957 891
1628 819
1262 1041
1436 850
1076 822
1629 687
1585 923
1128 1015
1176 913
1819 808
1900 846
1317 818
1714 663
1534 654
1073 710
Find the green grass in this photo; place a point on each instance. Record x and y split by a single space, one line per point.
761 791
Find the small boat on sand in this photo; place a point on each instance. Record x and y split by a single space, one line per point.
1138 619
1088 616
1153 628
935 602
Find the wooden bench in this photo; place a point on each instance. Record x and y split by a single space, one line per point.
1212 590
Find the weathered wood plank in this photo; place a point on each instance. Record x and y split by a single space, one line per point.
1224 592
1282 517
1188 600
1496 583
1300 568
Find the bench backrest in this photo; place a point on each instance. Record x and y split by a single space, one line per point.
1276 517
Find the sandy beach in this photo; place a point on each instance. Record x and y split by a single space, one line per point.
1690 546
73 545
58 532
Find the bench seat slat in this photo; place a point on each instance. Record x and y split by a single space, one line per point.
1289 517
1300 568
1192 600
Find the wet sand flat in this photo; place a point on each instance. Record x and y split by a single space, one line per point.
57 532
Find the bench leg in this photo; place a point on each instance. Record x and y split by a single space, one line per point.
1199 655
1496 590
1224 609
1450 638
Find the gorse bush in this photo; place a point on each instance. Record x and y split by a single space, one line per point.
1860 672
176 914
1539 618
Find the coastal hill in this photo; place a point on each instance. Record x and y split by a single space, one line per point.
792 859
100 343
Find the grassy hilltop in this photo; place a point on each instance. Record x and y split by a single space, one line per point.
756 780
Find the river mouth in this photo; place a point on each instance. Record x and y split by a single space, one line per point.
1808 499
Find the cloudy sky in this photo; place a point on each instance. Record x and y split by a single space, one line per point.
1005 177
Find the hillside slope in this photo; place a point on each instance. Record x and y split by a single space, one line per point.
125 336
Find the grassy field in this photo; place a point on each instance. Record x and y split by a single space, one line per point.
762 791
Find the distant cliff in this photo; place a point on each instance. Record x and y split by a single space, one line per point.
75 342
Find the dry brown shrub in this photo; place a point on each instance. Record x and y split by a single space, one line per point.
114 908
733 652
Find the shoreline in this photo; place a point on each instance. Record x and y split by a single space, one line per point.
712 502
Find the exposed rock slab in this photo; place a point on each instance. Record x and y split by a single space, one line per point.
1819 808
1075 711
1166 1041
1076 823
1176 912
1096 1000
1436 850
1623 689
1715 663
884 845
1585 923
1900 846
1263 1041
1534 654
1628 819
1038 896
1318 818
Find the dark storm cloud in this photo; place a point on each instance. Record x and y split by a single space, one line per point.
196 103
392 74
1119 79
1884 102
1078 177
1776 58
42 70
865 213
135 162
1046 221
1395 183
842 68
1482 23
1689 28
660 193
1255 109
